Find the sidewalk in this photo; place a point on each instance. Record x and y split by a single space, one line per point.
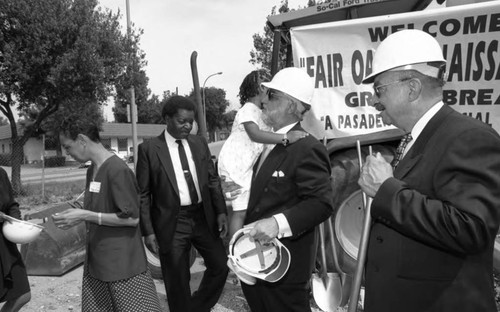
30 174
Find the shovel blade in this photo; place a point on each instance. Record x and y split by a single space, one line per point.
328 298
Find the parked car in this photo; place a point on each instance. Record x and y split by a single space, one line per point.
85 164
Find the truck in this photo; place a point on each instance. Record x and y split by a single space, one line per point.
335 41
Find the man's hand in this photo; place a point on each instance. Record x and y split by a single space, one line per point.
374 172
222 224
265 230
151 243
229 188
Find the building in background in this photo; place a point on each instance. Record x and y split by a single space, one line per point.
114 136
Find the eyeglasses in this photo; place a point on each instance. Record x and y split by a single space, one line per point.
382 88
274 95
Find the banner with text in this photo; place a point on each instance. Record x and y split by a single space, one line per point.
339 54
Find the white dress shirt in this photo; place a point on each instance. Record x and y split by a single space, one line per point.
173 148
283 225
421 123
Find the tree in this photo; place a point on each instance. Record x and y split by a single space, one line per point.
148 111
134 76
263 43
215 107
122 98
228 119
87 112
55 53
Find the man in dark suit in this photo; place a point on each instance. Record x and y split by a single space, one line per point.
289 196
182 205
437 214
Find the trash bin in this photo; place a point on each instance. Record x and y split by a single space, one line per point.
55 251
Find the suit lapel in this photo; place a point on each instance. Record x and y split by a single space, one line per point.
415 153
405 166
270 165
163 154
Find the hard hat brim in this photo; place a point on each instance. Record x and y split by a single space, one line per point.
294 82
272 274
424 68
270 85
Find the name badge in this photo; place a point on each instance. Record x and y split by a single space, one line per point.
95 187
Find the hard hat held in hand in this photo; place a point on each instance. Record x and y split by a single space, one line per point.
295 82
408 49
20 232
268 262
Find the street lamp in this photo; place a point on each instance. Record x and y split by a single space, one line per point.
203 97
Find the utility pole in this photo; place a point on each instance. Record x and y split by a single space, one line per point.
133 107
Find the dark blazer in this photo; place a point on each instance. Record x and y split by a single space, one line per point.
9 254
435 222
160 201
303 195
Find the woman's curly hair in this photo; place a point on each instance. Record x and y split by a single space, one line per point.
250 85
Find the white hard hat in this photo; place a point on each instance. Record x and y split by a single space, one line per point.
408 49
295 82
268 262
20 232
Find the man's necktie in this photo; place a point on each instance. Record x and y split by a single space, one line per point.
267 149
401 149
187 173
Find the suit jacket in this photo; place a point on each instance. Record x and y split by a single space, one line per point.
160 201
303 195
435 222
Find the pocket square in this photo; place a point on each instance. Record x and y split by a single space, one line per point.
278 174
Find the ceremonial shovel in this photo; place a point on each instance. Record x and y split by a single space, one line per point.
326 286
346 280
363 244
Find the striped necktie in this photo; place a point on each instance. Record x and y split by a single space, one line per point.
401 149
187 173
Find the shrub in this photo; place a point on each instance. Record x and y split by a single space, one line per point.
55 161
5 160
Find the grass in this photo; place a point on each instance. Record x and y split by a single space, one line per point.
31 197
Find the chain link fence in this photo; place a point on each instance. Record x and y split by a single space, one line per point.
46 175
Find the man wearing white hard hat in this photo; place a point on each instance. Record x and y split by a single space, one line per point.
290 195
436 210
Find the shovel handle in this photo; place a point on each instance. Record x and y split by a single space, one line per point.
334 247
324 270
363 244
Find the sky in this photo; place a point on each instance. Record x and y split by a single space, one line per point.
220 31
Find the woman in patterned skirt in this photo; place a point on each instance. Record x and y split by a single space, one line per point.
115 277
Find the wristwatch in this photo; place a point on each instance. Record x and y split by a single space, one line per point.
285 140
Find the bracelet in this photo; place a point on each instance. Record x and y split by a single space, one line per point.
99 218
